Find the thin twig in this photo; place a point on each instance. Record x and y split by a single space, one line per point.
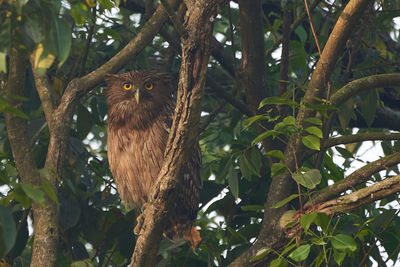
211 116
312 27
174 19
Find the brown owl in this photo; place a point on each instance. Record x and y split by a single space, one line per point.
139 118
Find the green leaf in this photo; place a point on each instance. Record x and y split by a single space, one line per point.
275 100
368 107
246 172
322 221
263 252
84 121
339 256
276 154
307 219
301 32
314 121
76 15
61 34
7 231
3 64
33 193
345 113
344 152
106 4
114 34
315 131
300 253
309 179
318 241
253 119
263 136
253 160
233 181
284 201
287 126
278 262
277 169
311 142
344 242
321 108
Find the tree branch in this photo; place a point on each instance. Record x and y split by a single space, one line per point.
183 134
242 107
357 177
45 216
361 137
361 197
367 83
174 19
335 44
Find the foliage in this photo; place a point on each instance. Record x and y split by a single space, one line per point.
68 39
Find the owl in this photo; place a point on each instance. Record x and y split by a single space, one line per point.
139 120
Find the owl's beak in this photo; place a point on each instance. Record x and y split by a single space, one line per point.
137 95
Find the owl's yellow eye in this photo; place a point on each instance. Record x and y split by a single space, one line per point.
127 86
148 86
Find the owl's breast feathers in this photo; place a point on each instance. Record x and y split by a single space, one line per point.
135 157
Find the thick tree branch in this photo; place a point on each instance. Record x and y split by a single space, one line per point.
332 50
367 83
183 134
357 177
45 216
361 197
360 137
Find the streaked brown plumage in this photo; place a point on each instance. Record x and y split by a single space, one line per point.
138 128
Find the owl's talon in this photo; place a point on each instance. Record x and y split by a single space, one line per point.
139 224
140 220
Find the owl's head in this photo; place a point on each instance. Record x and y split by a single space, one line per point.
138 93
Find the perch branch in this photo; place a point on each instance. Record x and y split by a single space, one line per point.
183 134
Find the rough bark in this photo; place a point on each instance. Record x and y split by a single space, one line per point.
45 216
252 73
357 177
183 134
361 197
